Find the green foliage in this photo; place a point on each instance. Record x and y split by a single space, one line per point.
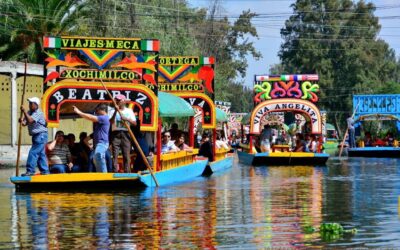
333 231
337 39
23 23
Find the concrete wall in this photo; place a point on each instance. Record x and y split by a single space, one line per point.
11 88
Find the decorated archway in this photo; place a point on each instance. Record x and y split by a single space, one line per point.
204 103
67 93
285 104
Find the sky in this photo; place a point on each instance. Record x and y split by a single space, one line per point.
269 29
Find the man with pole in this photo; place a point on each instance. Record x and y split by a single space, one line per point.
120 138
351 129
37 128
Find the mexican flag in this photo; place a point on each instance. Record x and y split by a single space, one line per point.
51 42
207 60
150 45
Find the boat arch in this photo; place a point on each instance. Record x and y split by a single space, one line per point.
204 103
60 97
286 104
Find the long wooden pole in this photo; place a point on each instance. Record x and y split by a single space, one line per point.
131 135
20 124
347 131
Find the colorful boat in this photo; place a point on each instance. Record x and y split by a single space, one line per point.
277 94
136 78
379 109
183 76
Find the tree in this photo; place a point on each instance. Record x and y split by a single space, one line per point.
25 22
182 31
337 39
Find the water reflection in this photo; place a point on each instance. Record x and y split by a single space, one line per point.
245 207
139 220
284 203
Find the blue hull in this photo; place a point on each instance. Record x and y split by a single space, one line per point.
245 158
264 159
375 152
178 174
221 164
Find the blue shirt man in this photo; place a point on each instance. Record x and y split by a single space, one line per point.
37 128
100 135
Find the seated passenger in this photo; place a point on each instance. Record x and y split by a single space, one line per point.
368 142
300 144
73 148
219 143
313 145
180 143
59 156
389 139
84 151
167 146
308 141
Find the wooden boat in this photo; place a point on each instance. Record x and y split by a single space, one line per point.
286 93
175 73
87 90
378 108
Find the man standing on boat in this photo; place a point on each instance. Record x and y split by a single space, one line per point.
37 128
266 138
120 138
350 127
101 127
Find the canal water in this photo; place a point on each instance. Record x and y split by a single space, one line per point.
242 208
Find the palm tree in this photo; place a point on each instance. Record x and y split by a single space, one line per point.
23 23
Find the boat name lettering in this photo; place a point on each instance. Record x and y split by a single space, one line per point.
285 106
180 87
179 60
99 43
196 102
99 74
94 94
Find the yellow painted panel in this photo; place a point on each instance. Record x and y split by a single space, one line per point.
76 126
5 110
78 177
175 155
291 154
222 150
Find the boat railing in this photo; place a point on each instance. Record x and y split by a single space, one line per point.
220 153
176 159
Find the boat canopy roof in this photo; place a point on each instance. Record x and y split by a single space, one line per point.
329 126
221 115
173 106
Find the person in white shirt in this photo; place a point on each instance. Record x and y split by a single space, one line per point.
120 138
167 146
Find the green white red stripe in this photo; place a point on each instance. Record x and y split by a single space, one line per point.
207 60
150 45
51 42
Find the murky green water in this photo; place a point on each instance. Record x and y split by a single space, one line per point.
245 207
